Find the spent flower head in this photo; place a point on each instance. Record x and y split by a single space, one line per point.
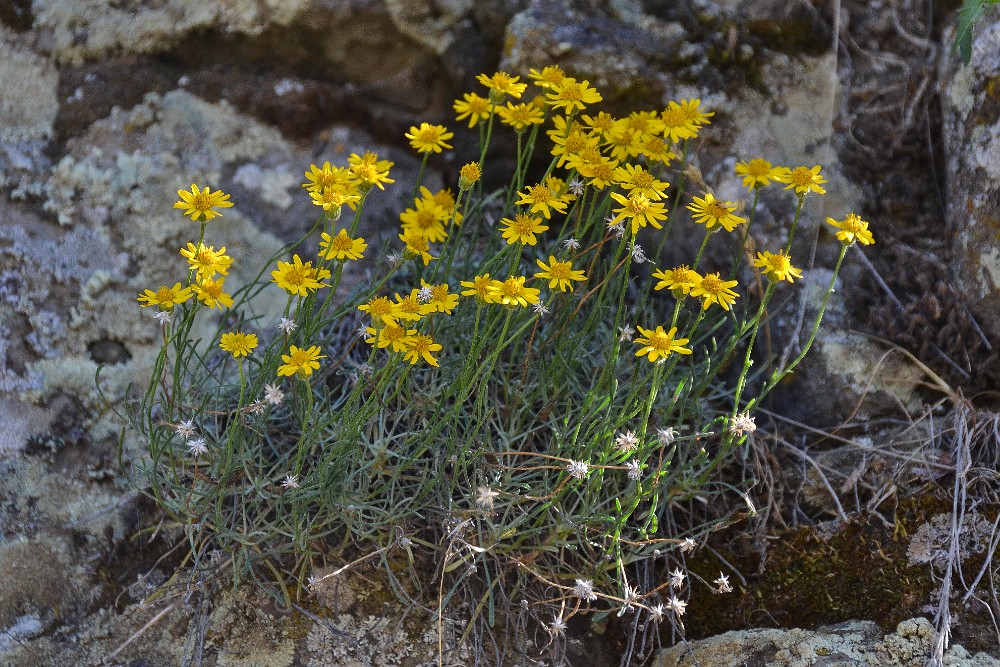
290 481
634 470
273 394
185 428
578 469
722 584
584 589
627 441
197 447
287 326
742 424
486 496
677 578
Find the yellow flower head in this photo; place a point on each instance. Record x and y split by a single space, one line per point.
549 76
777 267
520 116
297 278
559 274
382 310
320 178
710 212
522 228
501 84
678 123
639 209
198 203
421 347
341 246
479 287
635 179
659 344
166 297
371 158
541 199
570 94
429 138
802 179
600 123
512 292
366 173
416 245
438 297
300 361
212 294
621 144
469 175
410 308
238 344
692 111
332 198
758 172
657 150
206 260
713 289
426 219
679 280
473 107
393 336
853 228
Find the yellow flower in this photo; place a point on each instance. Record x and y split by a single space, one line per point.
210 292
690 110
479 287
512 292
710 212
501 84
297 278
622 144
570 94
566 147
370 158
300 361
639 209
803 180
426 220
440 300
601 123
599 173
520 116
416 245
381 309
429 138
366 174
635 179
391 335
660 344
202 202
678 123
656 150
166 297
473 107
643 123
238 344
206 260
679 280
777 267
422 347
341 246
758 172
549 76
522 228
410 308
559 274
334 197
320 178
713 289
541 199
853 228
469 175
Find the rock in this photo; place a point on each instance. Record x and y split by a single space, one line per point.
851 644
971 107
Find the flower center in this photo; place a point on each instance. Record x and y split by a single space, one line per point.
164 294
341 243
711 284
212 289
642 179
852 224
571 93
203 201
758 167
638 204
673 117
540 194
560 270
801 176
716 210
428 134
380 307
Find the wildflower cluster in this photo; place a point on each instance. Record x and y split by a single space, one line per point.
499 371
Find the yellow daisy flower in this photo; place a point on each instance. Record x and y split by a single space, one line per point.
679 280
198 203
599 174
501 84
635 179
559 274
512 292
570 94
392 336
639 210
469 175
300 361
365 175
212 294
297 278
803 180
713 289
319 178
238 344
642 123
409 307
541 199
601 123
758 172
853 228
416 245
710 212
426 220
522 228
429 138
206 260
166 297
777 267
657 150
549 76
341 246
520 116
333 197
622 144
659 344
473 107
440 299
422 347
381 310
479 287
678 124
692 111
368 157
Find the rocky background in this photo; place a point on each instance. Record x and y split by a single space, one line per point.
108 107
